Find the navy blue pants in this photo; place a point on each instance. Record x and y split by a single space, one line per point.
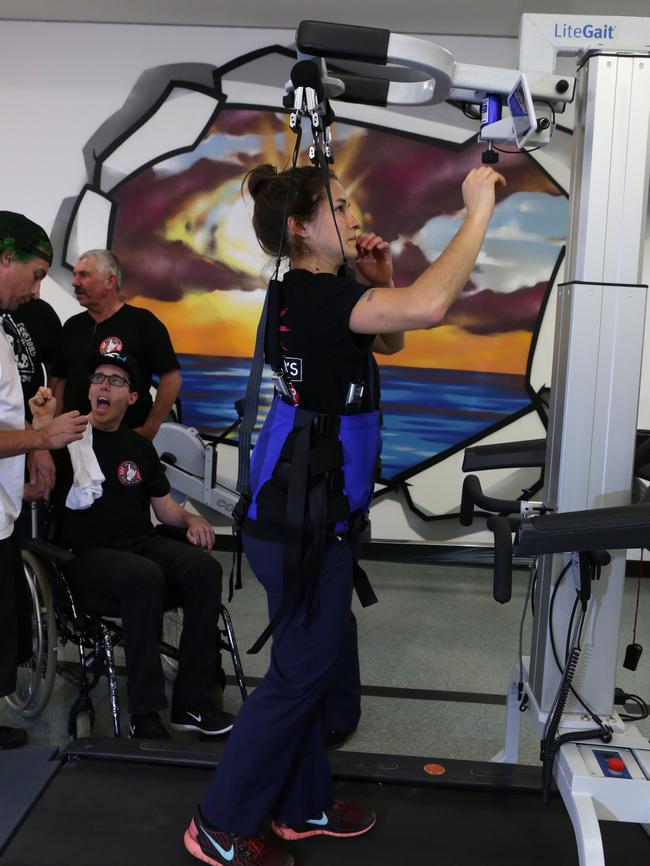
275 762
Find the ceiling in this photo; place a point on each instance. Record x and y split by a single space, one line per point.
500 18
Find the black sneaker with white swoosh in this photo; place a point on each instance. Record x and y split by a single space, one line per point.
200 717
210 845
147 726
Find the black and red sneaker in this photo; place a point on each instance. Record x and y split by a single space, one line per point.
213 846
341 819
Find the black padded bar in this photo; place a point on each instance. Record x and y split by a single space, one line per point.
532 453
362 88
505 455
322 39
50 551
601 528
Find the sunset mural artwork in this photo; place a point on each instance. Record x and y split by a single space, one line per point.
183 234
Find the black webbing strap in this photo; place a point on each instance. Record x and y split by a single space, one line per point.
234 579
290 598
317 534
296 507
251 401
362 586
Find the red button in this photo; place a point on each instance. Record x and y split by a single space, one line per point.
616 765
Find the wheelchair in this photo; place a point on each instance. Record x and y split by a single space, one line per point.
58 619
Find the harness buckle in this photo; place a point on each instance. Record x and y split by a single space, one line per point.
354 396
280 386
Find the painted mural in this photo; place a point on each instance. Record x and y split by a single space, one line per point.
183 233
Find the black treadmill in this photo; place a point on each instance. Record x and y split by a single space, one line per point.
114 802
121 803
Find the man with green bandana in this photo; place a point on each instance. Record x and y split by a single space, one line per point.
25 257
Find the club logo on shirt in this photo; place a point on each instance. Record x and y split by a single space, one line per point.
110 344
129 473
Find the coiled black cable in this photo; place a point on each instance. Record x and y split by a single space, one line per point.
556 745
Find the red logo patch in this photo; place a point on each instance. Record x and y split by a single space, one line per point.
129 473
110 345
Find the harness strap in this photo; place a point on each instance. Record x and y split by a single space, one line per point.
296 505
272 501
289 600
317 534
251 401
362 586
295 513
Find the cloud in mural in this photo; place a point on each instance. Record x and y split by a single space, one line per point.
487 312
159 226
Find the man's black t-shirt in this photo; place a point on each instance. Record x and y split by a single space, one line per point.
36 337
132 330
322 357
133 475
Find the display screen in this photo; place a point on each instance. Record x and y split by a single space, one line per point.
523 117
519 111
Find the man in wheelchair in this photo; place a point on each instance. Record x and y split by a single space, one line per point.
104 490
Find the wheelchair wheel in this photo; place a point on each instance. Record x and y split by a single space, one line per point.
172 628
35 678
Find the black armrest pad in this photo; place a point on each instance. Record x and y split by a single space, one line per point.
48 550
177 533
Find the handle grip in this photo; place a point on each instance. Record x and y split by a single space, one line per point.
473 495
502 581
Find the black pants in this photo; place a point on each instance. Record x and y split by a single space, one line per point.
15 614
140 578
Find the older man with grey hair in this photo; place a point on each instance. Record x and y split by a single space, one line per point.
109 325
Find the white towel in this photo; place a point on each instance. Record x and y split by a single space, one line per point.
88 477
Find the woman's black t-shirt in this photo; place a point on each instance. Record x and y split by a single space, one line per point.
322 357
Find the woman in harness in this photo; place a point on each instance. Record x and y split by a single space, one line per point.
311 481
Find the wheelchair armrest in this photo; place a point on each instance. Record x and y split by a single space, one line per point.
50 551
176 533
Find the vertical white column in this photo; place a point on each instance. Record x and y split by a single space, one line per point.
597 356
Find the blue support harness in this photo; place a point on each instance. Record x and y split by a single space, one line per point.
348 442
312 479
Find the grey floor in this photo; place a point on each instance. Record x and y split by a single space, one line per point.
436 628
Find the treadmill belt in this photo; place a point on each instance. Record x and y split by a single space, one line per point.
118 813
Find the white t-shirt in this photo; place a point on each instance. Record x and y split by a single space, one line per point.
12 417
